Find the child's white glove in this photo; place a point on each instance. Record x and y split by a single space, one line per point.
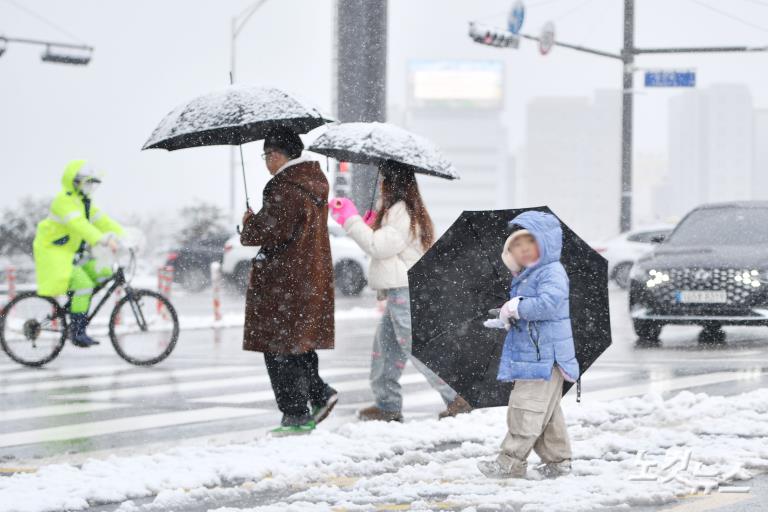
509 309
496 323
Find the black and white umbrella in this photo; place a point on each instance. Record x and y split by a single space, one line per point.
235 115
378 143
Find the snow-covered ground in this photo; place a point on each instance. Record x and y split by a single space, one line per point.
430 464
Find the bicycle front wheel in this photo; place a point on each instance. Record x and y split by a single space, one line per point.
144 327
33 329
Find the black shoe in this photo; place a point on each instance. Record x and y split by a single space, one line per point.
79 321
321 411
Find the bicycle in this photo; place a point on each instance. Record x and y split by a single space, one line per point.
34 329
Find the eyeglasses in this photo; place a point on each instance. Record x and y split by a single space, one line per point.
265 154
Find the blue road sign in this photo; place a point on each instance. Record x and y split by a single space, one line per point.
667 78
516 17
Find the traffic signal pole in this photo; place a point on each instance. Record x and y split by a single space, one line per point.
627 58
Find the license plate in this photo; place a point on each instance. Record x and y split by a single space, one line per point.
702 296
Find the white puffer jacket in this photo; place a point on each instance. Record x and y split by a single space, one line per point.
392 248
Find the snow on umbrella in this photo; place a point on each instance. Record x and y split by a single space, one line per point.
376 143
233 116
462 277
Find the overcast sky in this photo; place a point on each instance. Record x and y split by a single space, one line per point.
154 54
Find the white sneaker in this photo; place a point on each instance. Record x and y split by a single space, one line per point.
554 469
492 469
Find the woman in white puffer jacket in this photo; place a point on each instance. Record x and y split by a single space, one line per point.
394 237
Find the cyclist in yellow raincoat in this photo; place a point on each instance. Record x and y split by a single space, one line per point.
62 263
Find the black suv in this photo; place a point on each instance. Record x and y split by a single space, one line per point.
712 270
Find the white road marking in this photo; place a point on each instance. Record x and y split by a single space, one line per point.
179 387
57 410
77 371
133 423
115 379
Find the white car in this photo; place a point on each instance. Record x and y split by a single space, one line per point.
350 263
622 251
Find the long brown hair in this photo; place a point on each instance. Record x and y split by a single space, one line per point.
399 184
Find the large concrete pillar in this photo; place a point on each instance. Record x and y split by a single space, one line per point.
361 75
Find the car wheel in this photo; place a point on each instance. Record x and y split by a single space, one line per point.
241 276
350 278
194 280
712 335
647 331
621 274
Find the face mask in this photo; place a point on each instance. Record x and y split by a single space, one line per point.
88 187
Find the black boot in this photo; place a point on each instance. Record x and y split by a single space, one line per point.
77 333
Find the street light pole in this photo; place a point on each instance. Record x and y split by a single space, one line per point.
237 24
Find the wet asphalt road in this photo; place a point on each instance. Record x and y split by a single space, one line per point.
91 403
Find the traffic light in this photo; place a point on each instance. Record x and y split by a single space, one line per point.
80 58
492 36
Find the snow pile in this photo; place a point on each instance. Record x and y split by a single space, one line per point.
237 105
374 143
428 464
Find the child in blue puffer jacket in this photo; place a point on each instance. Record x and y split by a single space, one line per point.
538 352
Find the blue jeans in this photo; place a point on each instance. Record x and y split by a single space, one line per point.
391 349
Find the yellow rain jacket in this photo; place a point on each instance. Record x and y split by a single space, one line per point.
59 236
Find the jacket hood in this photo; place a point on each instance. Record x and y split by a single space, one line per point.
506 257
70 172
547 231
307 175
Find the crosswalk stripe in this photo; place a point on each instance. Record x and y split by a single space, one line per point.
79 371
57 410
133 392
132 377
258 396
134 423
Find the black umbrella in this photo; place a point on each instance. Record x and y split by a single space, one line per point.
462 277
232 116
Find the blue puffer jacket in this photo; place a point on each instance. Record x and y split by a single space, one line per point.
542 336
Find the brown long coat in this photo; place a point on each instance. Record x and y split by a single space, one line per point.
289 306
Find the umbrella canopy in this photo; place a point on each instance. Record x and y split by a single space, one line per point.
233 116
377 143
462 276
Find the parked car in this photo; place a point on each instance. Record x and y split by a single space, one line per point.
191 263
350 263
622 251
712 270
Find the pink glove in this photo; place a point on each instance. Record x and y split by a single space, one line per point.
341 209
369 217
509 310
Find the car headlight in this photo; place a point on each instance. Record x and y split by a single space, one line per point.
656 278
754 278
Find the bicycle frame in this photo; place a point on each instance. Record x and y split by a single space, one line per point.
117 280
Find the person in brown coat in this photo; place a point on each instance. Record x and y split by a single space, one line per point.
289 308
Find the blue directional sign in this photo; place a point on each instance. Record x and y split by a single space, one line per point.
670 78
516 17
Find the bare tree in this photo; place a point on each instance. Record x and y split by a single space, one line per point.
18 226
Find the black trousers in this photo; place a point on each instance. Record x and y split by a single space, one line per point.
295 381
